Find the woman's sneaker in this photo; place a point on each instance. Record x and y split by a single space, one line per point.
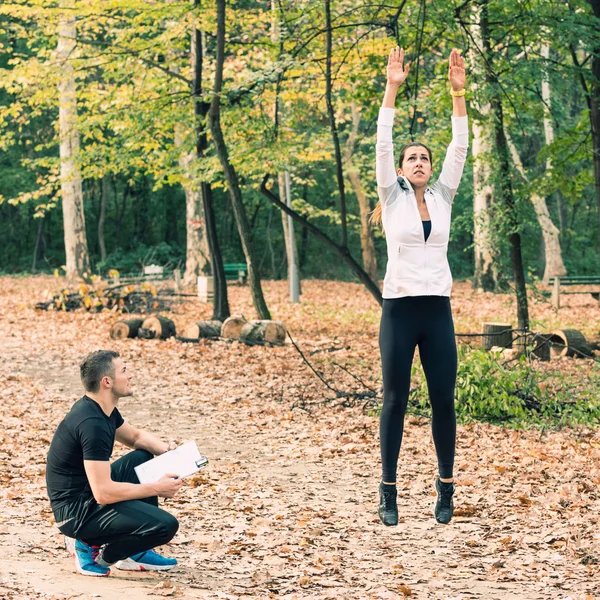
85 560
146 561
388 508
444 506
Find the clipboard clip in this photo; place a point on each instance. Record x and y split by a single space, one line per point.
202 462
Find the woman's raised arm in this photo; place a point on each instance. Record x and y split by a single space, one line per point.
456 155
457 78
396 74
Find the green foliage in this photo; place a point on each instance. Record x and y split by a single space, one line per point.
136 119
166 255
491 389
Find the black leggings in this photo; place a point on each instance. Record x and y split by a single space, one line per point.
425 321
128 527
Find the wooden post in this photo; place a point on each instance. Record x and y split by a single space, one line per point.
496 334
556 293
206 287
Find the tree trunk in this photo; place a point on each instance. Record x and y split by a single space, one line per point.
286 233
202 329
342 252
264 331
157 327
554 266
366 231
291 248
125 329
486 274
549 133
496 334
232 327
201 109
197 256
595 112
569 342
102 217
333 126
76 250
505 188
120 211
39 242
231 178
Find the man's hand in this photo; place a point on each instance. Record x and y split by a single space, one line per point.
168 485
171 446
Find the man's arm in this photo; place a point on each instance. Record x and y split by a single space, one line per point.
139 439
107 491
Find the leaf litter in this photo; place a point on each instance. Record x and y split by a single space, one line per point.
287 507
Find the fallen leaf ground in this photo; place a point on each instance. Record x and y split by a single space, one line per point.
287 507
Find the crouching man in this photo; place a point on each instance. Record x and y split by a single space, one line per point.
114 519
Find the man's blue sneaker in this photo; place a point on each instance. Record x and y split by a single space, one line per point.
146 561
85 560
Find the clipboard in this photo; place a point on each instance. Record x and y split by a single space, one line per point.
185 460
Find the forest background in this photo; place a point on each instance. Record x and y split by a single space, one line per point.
143 89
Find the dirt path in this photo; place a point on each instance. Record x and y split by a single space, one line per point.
287 508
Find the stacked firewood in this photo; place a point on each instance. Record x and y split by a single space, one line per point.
127 298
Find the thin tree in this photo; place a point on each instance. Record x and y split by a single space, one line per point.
235 194
201 110
76 249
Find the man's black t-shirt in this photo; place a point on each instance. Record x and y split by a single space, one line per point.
86 433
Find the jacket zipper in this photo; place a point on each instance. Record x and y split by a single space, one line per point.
426 273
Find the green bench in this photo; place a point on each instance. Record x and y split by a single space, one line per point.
588 281
236 271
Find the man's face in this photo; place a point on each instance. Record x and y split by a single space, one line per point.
416 166
122 380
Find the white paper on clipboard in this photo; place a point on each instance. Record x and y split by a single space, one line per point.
183 461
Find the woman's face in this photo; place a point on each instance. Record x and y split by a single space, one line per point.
416 166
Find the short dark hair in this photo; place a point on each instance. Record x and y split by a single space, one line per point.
95 366
412 145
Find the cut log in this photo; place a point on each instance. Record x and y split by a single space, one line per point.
264 331
157 327
202 329
569 342
496 334
232 327
541 345
125 329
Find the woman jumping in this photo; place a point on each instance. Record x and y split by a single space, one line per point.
416 289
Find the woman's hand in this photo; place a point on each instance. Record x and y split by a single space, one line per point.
456 70
396 72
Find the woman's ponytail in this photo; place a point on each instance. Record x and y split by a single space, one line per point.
375 218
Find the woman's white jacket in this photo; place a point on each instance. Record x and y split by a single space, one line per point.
417 267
